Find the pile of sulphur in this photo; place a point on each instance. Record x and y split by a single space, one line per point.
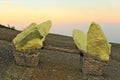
94 43
32 37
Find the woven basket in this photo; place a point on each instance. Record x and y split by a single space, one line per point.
27 58
93 65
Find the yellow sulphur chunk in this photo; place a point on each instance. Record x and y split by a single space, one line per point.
33 44
33 34
44 28
23 34
80 39
97 44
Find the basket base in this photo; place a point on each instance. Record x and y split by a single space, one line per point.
93 66
23 59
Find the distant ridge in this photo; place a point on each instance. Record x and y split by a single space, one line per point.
2 26
7 33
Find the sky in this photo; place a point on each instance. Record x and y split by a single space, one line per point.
65 15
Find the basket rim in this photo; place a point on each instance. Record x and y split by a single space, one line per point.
86 54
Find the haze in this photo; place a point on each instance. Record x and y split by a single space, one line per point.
65 15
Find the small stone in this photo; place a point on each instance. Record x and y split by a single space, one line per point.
69 76
54 70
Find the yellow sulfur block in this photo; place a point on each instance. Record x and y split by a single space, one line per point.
97 44
80 39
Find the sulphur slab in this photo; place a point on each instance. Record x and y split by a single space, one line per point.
23 34
80 39
97 44
44 28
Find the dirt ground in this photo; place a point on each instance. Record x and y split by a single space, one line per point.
54 65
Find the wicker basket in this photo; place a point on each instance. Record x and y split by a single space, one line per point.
93 65
27 58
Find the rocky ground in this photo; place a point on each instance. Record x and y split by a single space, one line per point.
53 64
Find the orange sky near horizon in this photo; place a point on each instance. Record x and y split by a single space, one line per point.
17 14
65 15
